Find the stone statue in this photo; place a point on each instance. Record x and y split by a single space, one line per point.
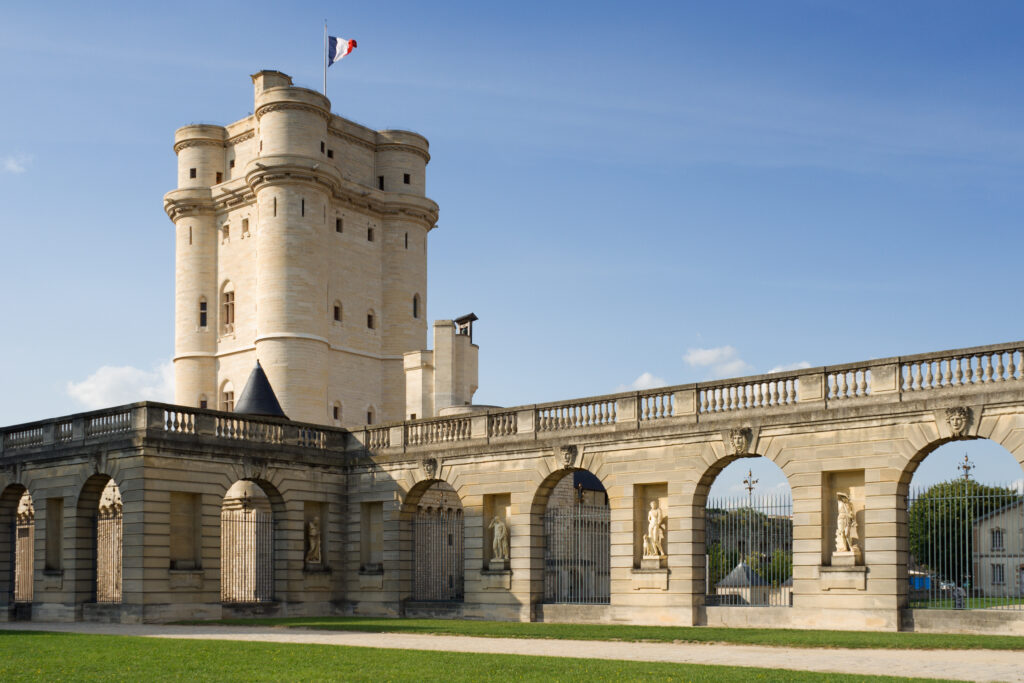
568 454
313 541
655 533
499 544
739 441
846 525
958 417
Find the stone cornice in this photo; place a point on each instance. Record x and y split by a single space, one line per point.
241 137
298 106
178 204
399 147
197 142
348 137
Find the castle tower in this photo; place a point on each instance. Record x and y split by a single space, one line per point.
302 237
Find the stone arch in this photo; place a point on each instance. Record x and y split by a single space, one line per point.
96 543
431 542
743 545
253 550
17 534
570 531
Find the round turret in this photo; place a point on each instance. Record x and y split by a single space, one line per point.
401 160
200 150
292 121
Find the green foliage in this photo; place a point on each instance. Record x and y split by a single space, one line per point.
940 525
70 657
765 542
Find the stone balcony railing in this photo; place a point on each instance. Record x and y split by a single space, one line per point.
886 380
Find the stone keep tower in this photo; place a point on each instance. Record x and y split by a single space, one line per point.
301 241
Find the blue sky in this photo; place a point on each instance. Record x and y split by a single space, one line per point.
630 193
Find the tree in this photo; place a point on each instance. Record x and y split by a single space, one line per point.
941 525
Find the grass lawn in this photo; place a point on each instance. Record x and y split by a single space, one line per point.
686 634
34 656
969 603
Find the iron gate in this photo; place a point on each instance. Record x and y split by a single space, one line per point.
247 555
438 555
24 541
108 531
577 555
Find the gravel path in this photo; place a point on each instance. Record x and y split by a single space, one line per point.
966 665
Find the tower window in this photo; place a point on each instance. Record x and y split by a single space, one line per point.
405 179
191 173
406 240
228 311
190 235
338 225
336 412
245 227
323 147
303 207
275 207
202 403
337 313
416 306
369 234
202 314
369 416
369 320
231 163
380 182
220 177
228 400
330 154
225 233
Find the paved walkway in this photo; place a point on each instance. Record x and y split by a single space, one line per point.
966 665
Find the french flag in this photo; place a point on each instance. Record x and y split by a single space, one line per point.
338 48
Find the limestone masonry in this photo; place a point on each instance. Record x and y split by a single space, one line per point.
382 490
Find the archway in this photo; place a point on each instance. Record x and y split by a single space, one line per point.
17 526
434 512
576 527
964 530
247 539
100 533
748 534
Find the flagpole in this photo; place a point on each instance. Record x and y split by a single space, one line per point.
325 58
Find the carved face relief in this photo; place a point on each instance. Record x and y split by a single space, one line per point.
739 441
958 419
568 454
430 467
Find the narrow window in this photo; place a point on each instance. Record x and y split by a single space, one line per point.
190 235
228 311
405 179
369 234
220 177
369 416
406 240
380 182
337 313
275 206
202 403
225 233
369 320
330 154
322 146
336 412
261 145
228 399
54 534
231 163
202 314
412 416
338 225
245 227
416 306
998 574
303 207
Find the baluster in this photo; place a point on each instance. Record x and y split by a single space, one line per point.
985 366
917 385
703 400
958 375
998 376
926 382
842 385
862 386
969 372
773 392
1010 369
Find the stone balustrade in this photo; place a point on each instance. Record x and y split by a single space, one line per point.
970 370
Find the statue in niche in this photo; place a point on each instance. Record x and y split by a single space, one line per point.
654 539
958 418
499 543
846 525
313 541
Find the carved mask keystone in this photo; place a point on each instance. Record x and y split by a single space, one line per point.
958 419
430 467
739 441
568 455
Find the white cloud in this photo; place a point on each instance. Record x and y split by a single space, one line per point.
111 386
644 381
791 366
16 163
721 361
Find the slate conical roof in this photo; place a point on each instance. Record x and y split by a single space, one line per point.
258 397
741 576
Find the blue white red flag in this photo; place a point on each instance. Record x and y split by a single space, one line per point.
338 48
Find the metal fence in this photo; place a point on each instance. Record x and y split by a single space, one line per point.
966 546
577 555
247 555
24 542
438 569
749 551
109 528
